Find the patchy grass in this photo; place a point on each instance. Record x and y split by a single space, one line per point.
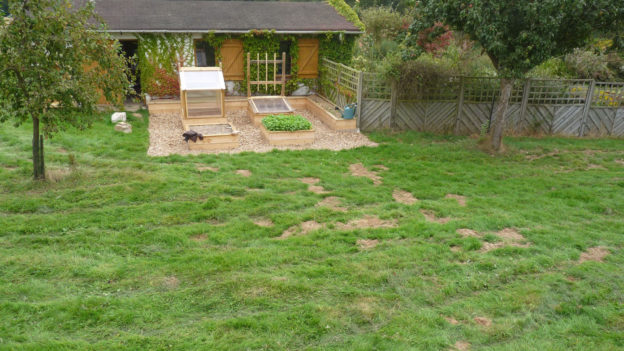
124 251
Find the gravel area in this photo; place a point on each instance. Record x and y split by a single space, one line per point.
166 136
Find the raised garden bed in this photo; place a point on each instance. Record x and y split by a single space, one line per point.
261 107
216 136
287 130
327 113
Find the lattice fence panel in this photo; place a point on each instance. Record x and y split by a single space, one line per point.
608 94
338 82
411 115
567 120
375 87
618 123
558 91
375 114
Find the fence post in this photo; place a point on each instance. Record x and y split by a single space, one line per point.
394 99
588 101
525 100
359 99
460 104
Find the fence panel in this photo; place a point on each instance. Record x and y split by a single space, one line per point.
411 115
440 117
600 121
567 120
473 116
338 82
539 118
375 114
618 123
465 104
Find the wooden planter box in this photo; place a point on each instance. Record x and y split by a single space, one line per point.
333 122
299 137
164 106
257 115
217 140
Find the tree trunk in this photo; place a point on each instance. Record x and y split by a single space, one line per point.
498 126
38 166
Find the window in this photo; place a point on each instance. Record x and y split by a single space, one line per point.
284 47
204 55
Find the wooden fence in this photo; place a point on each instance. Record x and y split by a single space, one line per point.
464 105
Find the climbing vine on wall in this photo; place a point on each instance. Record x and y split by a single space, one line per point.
216 41
158 57
337 46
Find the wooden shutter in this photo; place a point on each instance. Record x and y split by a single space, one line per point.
232 59
308 58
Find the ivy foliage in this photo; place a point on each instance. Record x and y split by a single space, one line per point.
286 123
347 12
159 55
337 46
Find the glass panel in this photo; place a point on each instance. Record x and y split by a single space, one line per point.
274 105
203 103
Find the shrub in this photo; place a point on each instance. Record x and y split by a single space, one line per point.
289 123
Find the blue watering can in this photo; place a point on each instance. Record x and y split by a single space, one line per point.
349 111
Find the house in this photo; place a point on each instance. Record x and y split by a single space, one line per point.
164 34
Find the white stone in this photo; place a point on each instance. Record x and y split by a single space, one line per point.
233 89
123 127
118 117
302 90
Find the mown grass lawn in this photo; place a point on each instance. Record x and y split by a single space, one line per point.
125 251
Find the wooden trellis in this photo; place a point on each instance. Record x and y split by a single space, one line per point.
266 62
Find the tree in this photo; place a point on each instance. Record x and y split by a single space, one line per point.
55 61
519 35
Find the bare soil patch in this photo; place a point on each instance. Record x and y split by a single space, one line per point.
332 202
404 197
594 166
510 234
301 229
510 237
207 168
487 247
486 322
465 232
431 217
461 200
451 320
57 174
358 170
263 222
244 172
166 136
620 162
365 244
367 221
596 254
171 282
461 346
382 167
455 248
317 189
199 237
309 180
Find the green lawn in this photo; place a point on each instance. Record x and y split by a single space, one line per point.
125 251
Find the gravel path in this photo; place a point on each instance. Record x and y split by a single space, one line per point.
166 136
